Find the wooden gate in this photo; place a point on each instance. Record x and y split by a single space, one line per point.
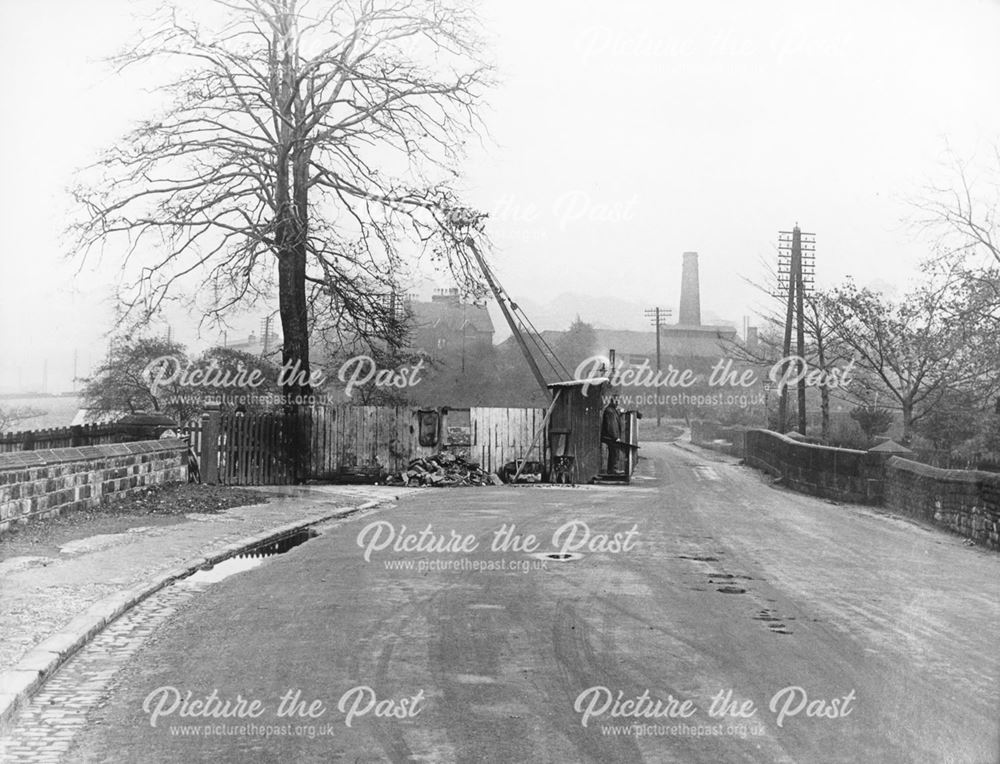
249 449
257 449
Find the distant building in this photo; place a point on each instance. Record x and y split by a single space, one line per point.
257 345
446 325
689 337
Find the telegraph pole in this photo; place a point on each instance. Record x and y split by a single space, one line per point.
656 316
796 274
265 330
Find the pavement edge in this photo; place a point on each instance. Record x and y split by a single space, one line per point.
20 683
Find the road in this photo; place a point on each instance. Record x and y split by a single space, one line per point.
822 632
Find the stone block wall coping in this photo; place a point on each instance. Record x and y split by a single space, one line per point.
19 460
937 473
814 446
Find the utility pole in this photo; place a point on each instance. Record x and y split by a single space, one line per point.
265 330
656 315
796 274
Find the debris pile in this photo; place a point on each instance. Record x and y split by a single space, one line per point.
441 470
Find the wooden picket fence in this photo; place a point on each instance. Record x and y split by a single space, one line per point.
342 442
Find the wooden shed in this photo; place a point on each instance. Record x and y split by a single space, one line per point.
575 426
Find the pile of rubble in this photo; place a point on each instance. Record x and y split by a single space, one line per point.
441 470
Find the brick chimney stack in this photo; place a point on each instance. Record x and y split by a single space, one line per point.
690 313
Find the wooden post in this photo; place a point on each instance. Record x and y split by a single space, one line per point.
210 421
540 430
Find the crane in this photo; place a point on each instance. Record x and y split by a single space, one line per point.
502 299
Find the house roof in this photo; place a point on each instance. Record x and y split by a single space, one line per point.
592 381
891 447
451 316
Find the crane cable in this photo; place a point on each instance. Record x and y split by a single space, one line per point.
536 336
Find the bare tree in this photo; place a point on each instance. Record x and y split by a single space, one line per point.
122 384
14 415
917 349
966 213
307 146
963 217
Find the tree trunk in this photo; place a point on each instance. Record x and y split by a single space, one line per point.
824 391
824 408
907 421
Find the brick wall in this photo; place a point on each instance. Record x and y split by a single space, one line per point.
834 473
963 501
46 482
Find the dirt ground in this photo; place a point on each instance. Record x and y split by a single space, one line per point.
155 506
666 432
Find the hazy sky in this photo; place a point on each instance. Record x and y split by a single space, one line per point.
622 135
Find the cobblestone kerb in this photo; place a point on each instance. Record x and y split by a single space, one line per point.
47 482
966 502
20 683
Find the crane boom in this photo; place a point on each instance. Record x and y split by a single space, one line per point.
515 329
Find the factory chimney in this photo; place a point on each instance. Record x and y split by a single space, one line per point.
690 313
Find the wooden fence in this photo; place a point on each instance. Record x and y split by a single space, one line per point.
346 439
350 441
61 437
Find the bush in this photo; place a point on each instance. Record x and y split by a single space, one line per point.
848 434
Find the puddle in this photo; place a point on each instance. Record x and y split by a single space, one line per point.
250 559
731 590
558 556
698 559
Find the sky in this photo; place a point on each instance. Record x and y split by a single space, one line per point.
621 136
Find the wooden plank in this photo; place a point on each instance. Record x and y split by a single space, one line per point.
259 450
237 464
222 448
318 433
245 451
265 443
249 426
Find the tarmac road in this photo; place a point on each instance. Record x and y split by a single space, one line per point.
840 634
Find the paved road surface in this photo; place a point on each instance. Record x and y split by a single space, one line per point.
732 585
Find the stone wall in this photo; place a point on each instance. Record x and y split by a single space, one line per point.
966 502
47 482
834 473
